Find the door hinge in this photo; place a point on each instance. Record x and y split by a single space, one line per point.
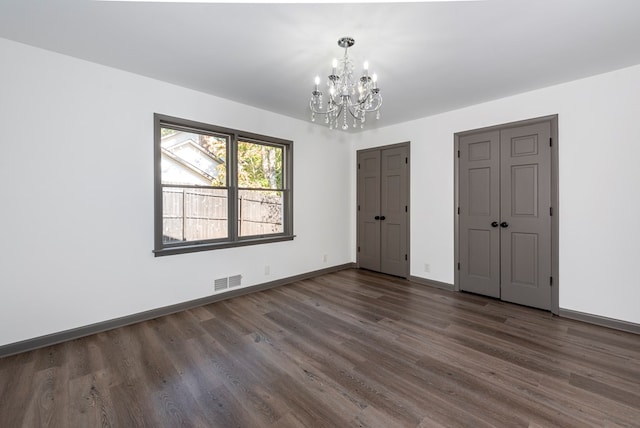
550 281
458 210
406 160
550 142
406 257
458 153
551 211
358 166
358 248
406 209
358 207
458 265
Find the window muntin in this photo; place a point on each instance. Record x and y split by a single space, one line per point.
216 187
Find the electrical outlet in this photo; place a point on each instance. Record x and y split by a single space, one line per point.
427 267
267 270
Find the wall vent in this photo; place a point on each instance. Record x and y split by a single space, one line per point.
235 281
221 284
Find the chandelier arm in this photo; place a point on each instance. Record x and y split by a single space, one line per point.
316 111
377 106
353 115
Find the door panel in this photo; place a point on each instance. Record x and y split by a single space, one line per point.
368 209
479 254
524 190
525 201
394 207
479 206
524 247
479 202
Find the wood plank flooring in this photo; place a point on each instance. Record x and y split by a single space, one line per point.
348 349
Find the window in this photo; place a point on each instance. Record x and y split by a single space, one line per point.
218 187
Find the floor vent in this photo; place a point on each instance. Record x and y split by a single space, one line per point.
221 284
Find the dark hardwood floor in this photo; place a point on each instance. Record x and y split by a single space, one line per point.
353 348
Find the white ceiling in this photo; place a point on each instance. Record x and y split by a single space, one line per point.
430 57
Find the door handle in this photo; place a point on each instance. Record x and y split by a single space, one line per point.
504 224
377 217
494 224
382 217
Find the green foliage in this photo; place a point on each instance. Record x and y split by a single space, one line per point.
217 147
165 132
259 166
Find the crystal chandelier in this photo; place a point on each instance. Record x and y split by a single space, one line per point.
348 96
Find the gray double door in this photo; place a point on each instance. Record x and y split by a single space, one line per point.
505 214
382 221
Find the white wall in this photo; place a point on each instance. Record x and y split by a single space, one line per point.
76 192
599 182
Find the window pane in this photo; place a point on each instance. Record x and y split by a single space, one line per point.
259 212
190 214
192 158
259 166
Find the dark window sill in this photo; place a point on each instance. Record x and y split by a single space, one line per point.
192 248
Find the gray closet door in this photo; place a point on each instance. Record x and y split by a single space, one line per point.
480 213
505 219
525 218
369 209
393 211
383 194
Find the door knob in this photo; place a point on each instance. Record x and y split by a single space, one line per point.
494 224
377 217
382 217
504 224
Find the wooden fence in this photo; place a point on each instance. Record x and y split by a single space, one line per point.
198 214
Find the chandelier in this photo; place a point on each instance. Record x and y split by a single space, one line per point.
348 96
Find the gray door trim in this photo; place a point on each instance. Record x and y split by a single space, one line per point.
406 144
555 224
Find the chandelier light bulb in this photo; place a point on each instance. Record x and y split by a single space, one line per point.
366 68
334 64
374 78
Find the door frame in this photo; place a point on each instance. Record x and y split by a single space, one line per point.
555 224
406 144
